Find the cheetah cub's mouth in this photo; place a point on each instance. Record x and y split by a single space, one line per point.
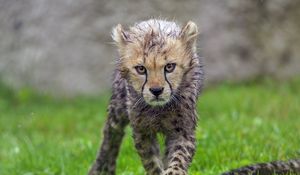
154 57
157 101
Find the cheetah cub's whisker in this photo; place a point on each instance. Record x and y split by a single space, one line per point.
157 80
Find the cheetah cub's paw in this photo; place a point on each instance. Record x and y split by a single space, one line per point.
174 171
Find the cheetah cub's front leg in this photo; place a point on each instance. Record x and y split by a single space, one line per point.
148 149
179 153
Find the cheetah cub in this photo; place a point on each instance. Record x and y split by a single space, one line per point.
157 80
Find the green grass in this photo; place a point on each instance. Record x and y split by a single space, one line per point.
239 124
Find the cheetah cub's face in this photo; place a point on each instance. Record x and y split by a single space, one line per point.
154 58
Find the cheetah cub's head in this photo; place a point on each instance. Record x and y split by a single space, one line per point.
154 55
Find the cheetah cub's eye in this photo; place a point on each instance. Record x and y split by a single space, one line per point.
170 67
140 70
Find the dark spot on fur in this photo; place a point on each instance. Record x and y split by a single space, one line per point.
147 154
187 106
178 129
186 136
172 166
180 154
179 148
176 159
149 165
192 139
192 100
175 122
113 96
181 166
114 153
138 146
138 121
197 73
114 119
190 149
143 138
119 112
157 171
186 159
123 94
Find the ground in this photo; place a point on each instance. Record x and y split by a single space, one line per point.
239 124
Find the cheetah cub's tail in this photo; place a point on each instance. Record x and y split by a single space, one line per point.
291 167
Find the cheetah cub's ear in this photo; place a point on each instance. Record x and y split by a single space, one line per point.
188 35
120 36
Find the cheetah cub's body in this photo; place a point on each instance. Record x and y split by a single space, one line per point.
156 84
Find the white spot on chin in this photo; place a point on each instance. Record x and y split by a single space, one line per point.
157 102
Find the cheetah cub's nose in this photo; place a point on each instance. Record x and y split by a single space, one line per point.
156 90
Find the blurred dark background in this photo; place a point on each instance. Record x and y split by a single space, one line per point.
64 46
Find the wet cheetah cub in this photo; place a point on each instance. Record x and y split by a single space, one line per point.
157 81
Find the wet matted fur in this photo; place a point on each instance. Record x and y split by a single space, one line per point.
157 81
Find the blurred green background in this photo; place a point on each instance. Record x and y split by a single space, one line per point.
55 72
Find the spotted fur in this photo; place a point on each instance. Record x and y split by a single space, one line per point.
291 167
158 46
